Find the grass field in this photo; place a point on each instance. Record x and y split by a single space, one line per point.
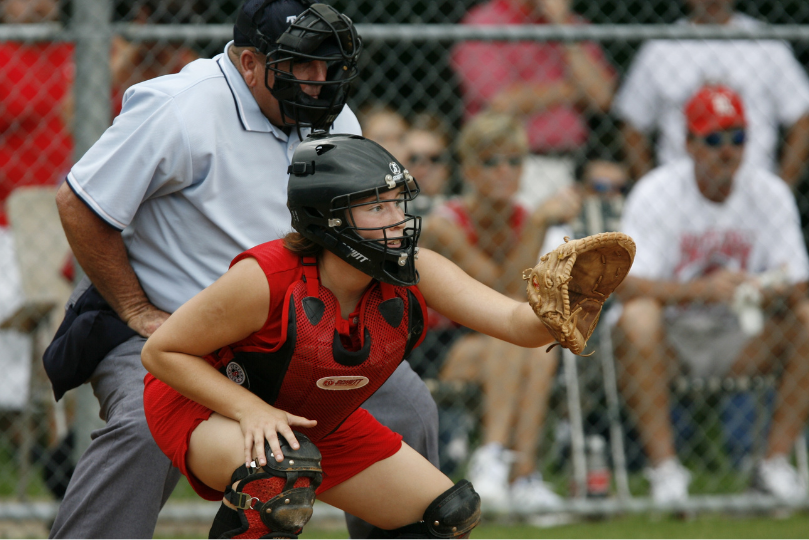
632 526
627 526
639 526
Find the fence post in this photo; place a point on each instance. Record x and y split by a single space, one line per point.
576 424
91 28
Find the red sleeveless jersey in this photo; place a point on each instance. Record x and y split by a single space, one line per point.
308 360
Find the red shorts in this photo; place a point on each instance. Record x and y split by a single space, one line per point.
358 443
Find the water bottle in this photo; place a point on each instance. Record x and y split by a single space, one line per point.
598 471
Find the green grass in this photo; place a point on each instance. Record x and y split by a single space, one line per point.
638 526
9 476
184 492
626 526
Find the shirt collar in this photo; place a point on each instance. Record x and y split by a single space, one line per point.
250 114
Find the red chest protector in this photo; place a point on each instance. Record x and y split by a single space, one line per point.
311 374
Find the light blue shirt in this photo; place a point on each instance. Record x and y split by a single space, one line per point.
193 174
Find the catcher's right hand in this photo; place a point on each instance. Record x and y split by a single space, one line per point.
571 283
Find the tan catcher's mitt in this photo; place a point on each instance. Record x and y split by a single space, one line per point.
571 283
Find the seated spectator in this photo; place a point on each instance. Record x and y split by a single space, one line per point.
553 86
493 237
666 73
427 157
709 229
605 184
35 149
385 126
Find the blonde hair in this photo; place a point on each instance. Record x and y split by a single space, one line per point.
490 130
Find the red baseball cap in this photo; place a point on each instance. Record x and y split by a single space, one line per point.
714 108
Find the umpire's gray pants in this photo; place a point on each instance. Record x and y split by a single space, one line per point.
123 479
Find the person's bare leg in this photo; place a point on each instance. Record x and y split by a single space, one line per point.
391 493
215 450
792 402
539 370
502 373
463 359
644 377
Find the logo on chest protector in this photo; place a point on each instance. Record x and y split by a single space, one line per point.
235 373
342 382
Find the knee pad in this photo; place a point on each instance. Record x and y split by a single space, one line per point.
453 514
273 501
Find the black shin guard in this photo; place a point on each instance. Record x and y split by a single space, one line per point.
273 501
227 523
453 514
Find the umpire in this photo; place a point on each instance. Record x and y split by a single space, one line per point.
192 173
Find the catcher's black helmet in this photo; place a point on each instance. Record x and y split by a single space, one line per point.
300 31
328 175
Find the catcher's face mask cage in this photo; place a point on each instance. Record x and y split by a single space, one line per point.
393 265
346 174
320 33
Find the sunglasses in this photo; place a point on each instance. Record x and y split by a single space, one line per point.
736 137
435 159
496 160
605 185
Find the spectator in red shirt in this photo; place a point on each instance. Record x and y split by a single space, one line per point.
35 146
554 86
35 149
35 101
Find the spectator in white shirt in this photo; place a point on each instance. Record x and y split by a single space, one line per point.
665 73
718 288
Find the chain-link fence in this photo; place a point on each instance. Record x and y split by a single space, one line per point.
524 122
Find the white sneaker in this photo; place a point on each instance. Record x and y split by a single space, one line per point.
488 472
776 476
668 482
530 493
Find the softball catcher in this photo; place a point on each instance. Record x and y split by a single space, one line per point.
256 383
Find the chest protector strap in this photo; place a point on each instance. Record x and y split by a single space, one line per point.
310 276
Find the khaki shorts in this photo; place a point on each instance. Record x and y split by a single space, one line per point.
707 342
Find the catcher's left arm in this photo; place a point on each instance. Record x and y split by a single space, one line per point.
569 286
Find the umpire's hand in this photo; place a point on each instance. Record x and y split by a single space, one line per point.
145 322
